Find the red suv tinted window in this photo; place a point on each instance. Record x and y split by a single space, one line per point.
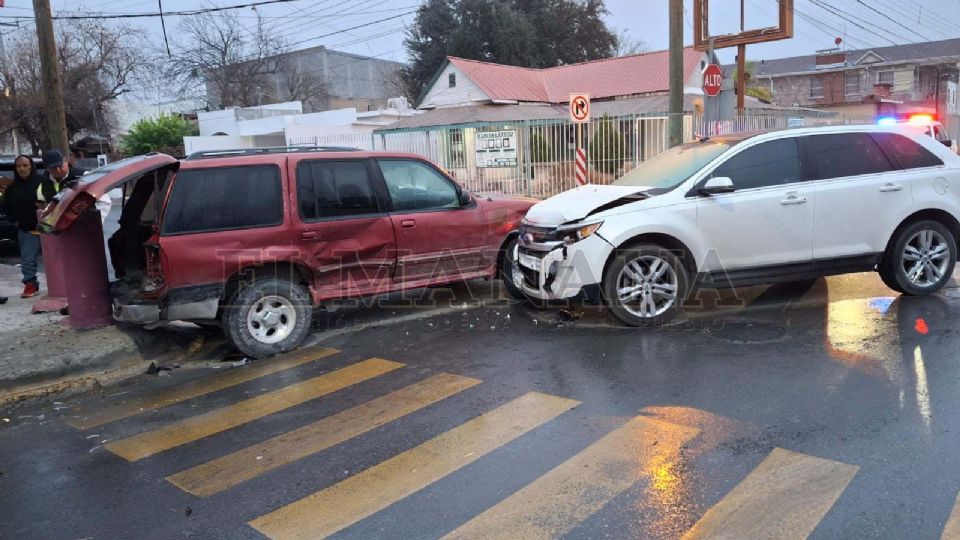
224 198
331 189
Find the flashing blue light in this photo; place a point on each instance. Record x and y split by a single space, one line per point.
887 121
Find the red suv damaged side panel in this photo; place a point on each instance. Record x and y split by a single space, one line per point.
346 258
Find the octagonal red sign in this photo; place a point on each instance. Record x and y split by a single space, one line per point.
712 80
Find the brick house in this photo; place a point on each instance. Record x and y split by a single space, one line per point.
867 83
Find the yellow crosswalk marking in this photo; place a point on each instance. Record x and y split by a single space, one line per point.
785 498
200 387
372 490
558 501
197 427
951 531
232 469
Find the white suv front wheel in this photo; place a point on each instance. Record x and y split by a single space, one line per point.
645 285
920 259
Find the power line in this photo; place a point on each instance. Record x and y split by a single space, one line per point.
843 15
898 23
295 43
158 14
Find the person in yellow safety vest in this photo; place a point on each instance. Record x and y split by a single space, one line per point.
60 175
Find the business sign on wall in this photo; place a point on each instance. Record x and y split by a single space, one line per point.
497 148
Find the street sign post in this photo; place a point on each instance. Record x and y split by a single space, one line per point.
579 115
712 80
579 108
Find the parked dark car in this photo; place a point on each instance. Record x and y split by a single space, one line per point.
8 231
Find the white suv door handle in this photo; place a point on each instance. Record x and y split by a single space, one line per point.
793 198
891 187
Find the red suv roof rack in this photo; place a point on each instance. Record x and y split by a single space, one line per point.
268 150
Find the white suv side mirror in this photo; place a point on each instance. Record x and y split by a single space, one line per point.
718 184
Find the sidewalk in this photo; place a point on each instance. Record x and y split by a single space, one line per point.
40 354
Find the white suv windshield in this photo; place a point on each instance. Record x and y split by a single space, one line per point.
669 169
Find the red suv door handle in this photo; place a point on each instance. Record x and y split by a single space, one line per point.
407 223
309 235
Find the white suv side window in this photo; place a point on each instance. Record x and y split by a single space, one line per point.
771 163
838 155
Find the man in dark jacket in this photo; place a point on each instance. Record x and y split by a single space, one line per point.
59 175
20 205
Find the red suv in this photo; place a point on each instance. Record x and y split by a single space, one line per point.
257 238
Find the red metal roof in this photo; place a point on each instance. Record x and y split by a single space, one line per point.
611 77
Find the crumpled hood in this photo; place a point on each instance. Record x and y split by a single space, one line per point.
577 203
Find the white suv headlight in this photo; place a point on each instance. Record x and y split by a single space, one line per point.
578 231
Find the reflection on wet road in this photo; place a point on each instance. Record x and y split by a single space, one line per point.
823 409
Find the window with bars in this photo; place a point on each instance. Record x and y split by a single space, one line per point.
885 77
851 83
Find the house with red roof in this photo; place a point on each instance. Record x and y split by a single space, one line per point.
462 82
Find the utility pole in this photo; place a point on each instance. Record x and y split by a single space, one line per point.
741 67
56 116
676 72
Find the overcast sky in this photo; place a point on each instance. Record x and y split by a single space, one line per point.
817 23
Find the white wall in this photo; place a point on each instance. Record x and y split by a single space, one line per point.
202 143
441 95
358 136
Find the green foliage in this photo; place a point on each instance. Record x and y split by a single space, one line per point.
753 89
529 33
164 134
607 148
540 149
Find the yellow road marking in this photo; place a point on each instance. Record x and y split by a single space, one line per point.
197 427
206 385
343 504
552 505
951 531
232 469
785 497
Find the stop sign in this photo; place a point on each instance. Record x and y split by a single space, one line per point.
712 80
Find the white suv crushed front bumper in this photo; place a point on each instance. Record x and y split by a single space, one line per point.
556 270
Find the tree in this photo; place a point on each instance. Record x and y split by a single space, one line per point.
233 67
627 45
98 63
753 88
607 149
164 134
529 33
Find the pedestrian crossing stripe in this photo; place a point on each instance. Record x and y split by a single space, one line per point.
552 505
347 502
197 388
232 469
197 427
784 497
951 531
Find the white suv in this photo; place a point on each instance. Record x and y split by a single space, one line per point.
748 209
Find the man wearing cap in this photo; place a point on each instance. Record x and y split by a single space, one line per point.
59 175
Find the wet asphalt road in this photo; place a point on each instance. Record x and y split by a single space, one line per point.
828 408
